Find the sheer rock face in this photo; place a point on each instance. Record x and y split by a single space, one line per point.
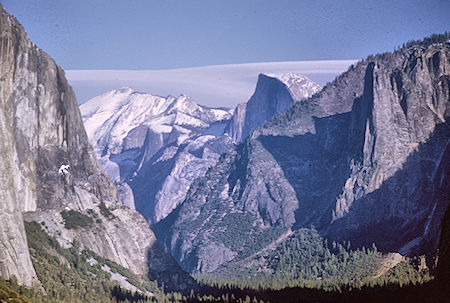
397 173
48 165
16 192
365 160
273 95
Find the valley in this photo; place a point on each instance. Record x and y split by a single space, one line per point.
301 193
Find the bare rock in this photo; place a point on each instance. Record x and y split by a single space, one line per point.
49 167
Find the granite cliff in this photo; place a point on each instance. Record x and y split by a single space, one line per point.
50 171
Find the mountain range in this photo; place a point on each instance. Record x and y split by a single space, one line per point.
358 161
153 148
215 85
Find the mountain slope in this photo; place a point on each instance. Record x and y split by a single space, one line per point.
363 160
51 172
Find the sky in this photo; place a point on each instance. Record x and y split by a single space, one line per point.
214 85
167 34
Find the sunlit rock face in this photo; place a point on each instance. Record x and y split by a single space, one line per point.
366 159
48 167
17 191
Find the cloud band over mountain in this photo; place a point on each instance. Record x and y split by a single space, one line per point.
218 85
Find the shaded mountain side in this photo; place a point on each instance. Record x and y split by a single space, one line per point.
368 152
317 171
411 225
443 265
50 170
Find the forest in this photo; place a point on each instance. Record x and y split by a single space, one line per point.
307 270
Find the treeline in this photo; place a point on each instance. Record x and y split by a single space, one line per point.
432 291
434 38
425 42
306 259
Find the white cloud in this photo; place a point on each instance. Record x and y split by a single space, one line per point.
217 85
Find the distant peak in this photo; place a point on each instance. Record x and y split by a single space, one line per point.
182 102
123 90
300 86
287 77
183 97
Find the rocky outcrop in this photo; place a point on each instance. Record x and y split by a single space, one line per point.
365 160
273 95
50 168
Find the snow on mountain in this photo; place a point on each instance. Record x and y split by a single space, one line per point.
108 123
300 86
131 131
365 160
49 173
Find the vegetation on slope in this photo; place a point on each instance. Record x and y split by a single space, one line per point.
302 269
434 38
11 292
75 275
75 219
306 259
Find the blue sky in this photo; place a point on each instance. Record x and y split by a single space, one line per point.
147 34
